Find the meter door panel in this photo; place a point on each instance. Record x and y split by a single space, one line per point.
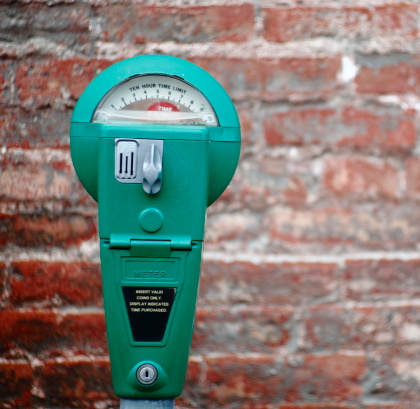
169 354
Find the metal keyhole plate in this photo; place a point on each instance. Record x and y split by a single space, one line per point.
147 374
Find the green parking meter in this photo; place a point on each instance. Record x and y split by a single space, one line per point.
154 140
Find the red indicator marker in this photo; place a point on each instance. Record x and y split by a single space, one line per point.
163 107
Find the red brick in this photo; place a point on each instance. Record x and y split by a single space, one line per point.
2 83
46 333
383 128
300 127
191 391
298 23
77 383
262 379
396 405
386 325
381 280
371 226
396 19
326 328
46 230
267 284
386 128
326 377
233 22
222 331
318 406
224 228
259 183
332 328
271 79
3 271
248 122
25 179
55 283
15 384
413 177
46 128
55 82
61 23
362 178
394 370
283 24
230 379
388 74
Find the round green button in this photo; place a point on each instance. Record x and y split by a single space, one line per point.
151 220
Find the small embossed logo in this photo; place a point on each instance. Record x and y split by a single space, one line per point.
150 274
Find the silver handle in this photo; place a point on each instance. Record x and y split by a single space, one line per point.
152 170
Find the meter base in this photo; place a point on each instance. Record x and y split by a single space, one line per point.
143 329
146 404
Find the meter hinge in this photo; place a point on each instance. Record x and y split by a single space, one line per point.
149 248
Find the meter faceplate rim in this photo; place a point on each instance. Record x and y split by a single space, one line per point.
156 65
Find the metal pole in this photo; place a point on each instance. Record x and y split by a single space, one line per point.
146 404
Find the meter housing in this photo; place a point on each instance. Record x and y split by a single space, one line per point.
154 140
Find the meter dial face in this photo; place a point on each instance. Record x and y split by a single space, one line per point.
157 99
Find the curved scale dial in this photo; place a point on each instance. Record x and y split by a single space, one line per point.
157 99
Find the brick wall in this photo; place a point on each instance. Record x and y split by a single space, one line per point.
310 294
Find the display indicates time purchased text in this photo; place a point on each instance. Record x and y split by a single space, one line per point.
148 311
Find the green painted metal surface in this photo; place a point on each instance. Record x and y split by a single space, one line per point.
151 244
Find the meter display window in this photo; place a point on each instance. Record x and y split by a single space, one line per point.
156 99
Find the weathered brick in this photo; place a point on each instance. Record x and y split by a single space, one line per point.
326 328
231 379
63 24
362 128
76 383
2 84
275 79
362 177
55 82
49 334
386 128
284 24
225 228
262 379
230 22
15 384
413 177
248 121
381 280
55 283
46 230
191 391
259 183
333 328
25 179
46 128
343 227
326 377
222 331
396 405
396 19
318 406
267 284
2 280
393 377
388 74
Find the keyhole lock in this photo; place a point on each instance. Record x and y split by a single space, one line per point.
146 374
